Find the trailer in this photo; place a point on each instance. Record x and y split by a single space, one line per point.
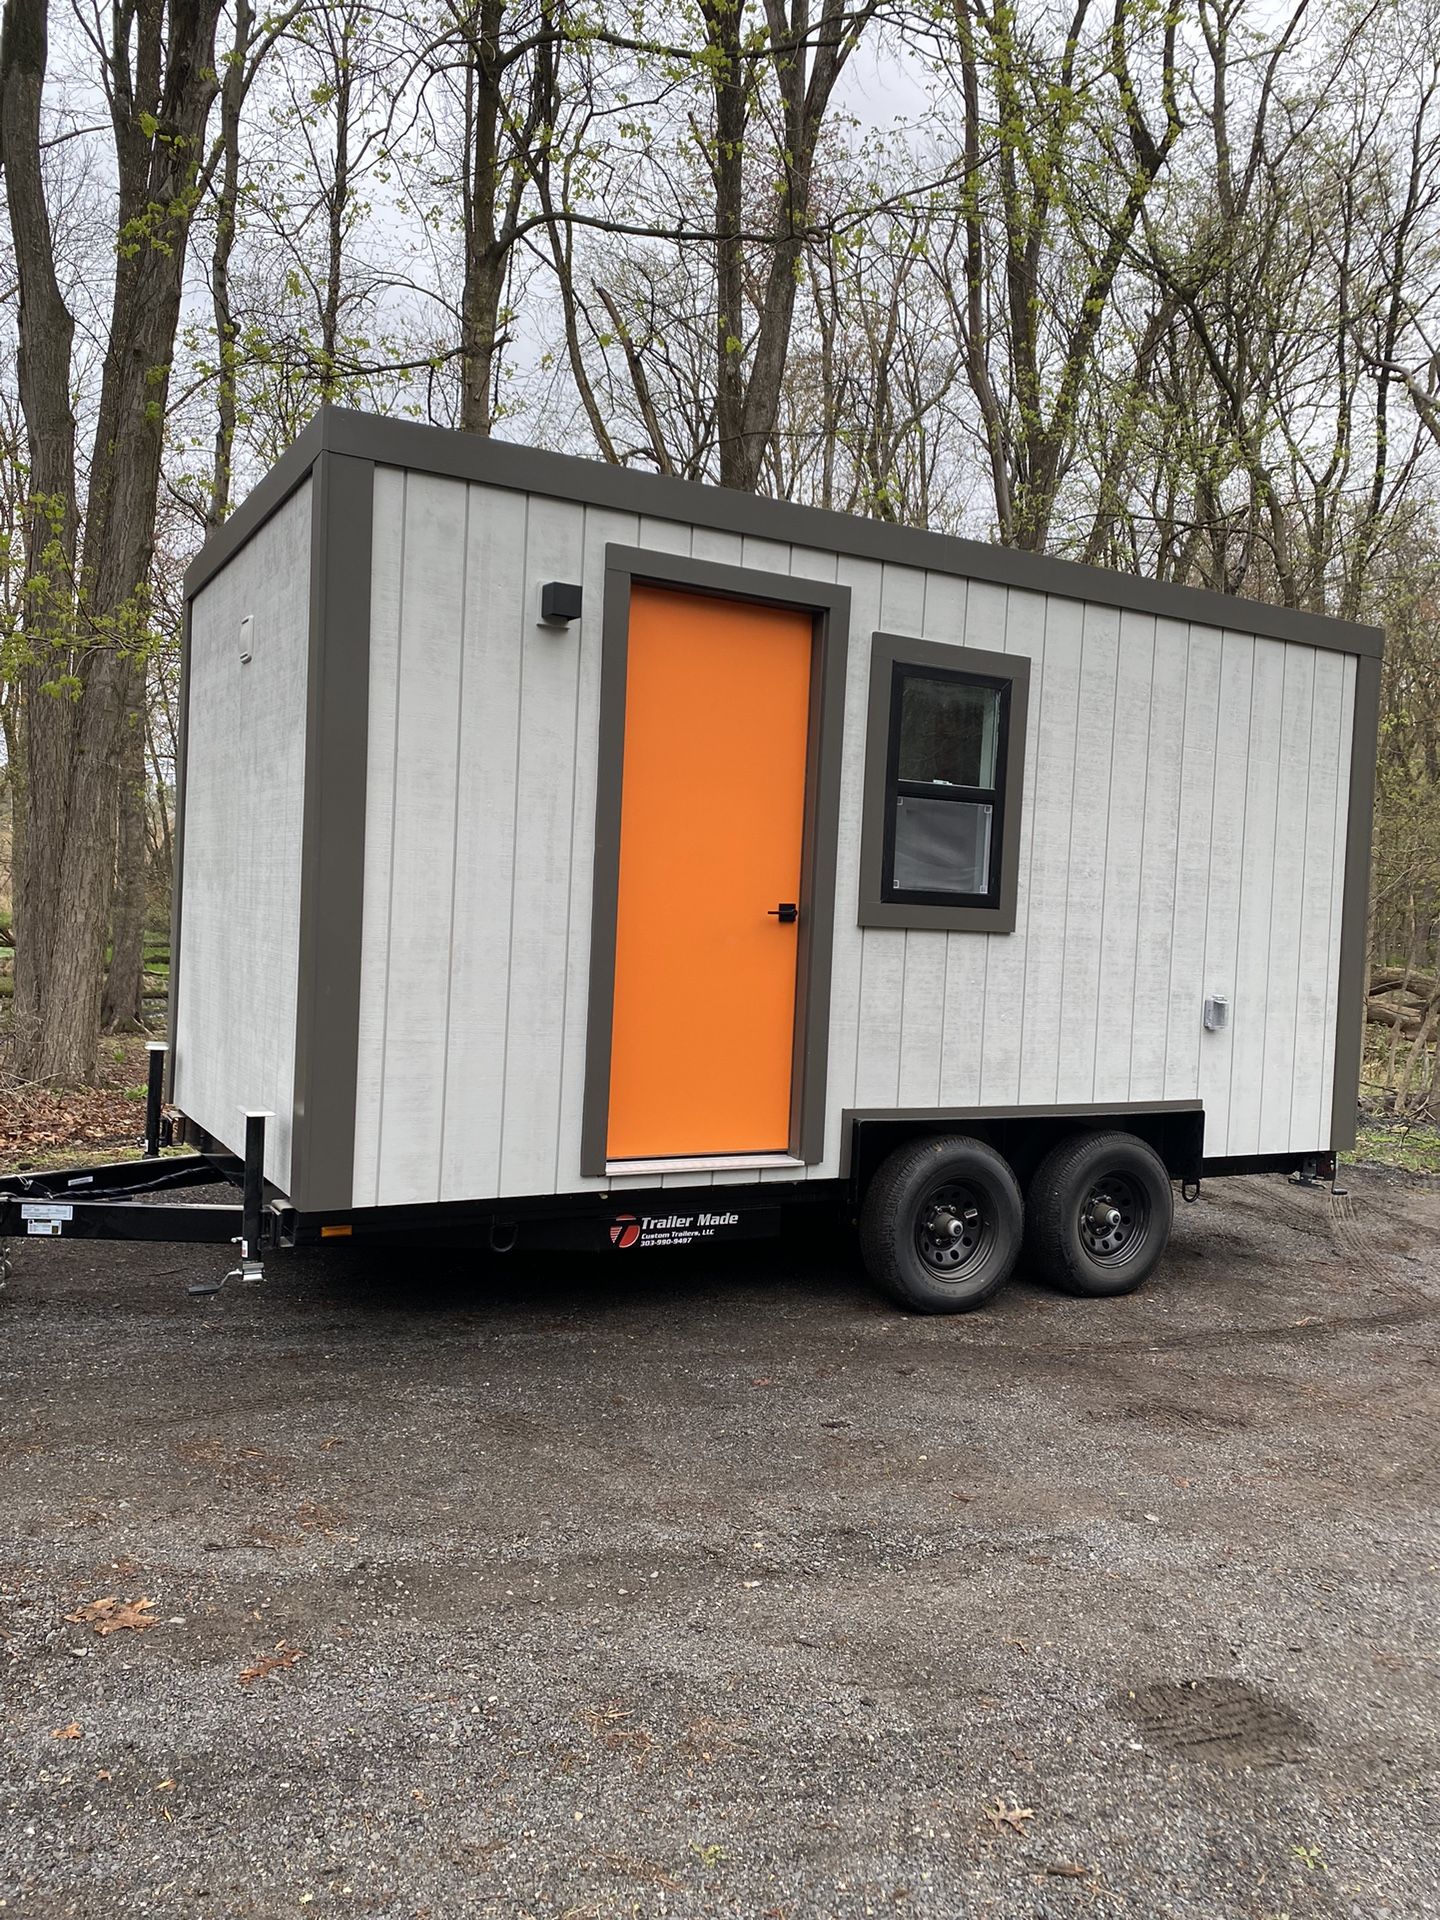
570 856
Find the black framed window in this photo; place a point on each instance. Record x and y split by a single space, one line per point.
944 773
945 785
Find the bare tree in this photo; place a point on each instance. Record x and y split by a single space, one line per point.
805 60
251 43
1060 159
504 62
874 397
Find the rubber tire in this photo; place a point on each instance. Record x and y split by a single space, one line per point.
1054 1248
887 1222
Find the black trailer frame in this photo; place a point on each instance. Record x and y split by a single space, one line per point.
114 1200
120 1200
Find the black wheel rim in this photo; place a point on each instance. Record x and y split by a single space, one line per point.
954 1230
1114 1218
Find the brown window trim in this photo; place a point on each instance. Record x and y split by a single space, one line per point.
889 650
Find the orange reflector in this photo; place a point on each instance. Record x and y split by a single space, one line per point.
336 1233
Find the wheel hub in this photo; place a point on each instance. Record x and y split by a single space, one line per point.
953 1230
1113 1216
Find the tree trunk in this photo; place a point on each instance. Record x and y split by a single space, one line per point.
503 152
480 292
46 330
10 730
727 170
164 854
232 100
479 339
120 1002
337 211
161 82
806 64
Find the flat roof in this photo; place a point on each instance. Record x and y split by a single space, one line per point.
502 463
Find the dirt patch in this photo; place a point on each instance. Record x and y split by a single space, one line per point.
1167 1417
1221 1722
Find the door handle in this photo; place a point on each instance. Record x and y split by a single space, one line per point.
786 913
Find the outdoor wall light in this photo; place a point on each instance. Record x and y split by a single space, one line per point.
559 603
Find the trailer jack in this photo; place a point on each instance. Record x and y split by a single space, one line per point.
249 1273
250 1270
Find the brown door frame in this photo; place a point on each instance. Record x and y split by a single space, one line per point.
829 608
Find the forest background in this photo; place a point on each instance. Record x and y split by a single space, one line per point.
1151 284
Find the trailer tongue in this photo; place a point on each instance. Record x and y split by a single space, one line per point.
118 1199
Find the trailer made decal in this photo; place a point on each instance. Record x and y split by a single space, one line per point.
683 1229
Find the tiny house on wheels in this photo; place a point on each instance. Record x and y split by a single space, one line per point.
572 856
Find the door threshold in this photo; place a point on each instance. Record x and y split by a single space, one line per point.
705 1163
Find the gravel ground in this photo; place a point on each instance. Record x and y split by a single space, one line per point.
711 1585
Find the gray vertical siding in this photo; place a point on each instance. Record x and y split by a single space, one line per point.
1182 833
993 975
234 1040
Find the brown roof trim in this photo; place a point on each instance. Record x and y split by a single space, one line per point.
560 476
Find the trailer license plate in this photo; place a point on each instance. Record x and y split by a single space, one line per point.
45 1222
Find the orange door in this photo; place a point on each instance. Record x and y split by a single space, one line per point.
717 701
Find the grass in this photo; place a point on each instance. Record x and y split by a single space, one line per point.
1393 1143
156 962
58 1159
157 983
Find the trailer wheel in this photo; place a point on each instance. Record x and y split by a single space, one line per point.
1098 1214
942 1224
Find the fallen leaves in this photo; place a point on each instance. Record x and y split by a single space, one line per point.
1009 1814
72 1732
634 1867
607 1724
37 1121
280 1660
706 1738
312 1517
113 1615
